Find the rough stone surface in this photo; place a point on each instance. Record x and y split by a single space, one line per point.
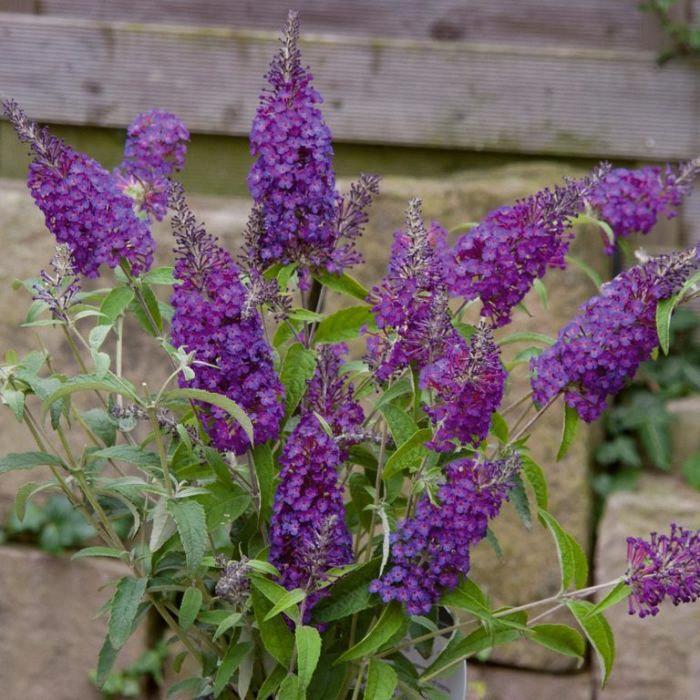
685 433
487 682
657 657
49 637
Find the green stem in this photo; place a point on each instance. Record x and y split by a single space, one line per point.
161 450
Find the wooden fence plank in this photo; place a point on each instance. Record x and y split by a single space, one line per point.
582 23
550 101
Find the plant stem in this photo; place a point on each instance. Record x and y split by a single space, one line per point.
560 598
534 419
377 488
517 403
161 450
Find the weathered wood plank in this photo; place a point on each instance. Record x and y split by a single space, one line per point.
584 23
555 101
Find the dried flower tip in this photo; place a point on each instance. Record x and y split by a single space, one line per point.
233 584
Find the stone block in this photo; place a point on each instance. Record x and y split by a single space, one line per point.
486 682
685 430
656 657
49 633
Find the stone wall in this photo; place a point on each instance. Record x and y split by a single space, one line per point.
528 569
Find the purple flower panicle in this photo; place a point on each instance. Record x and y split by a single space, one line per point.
410 304
468 382
430 551
306 220
498 260
308 533
614 332
82 203
632 201
665 566
232 357
156 144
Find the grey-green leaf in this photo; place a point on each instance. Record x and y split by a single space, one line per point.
598 632
191 523
571 421
190 607
560 638
297 369
123 609
344 324
234 656
389 622
27 460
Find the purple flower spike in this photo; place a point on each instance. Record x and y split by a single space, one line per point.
632 201
498 260
614 332
308 534
663 566
468 382
82 203
213 319
430 551
410 305
156 144
292 179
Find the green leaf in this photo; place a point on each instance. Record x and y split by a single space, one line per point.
587 269
265 472
308 642
127 453
90 383
499 427
527 337
291 689
305 315
598 632
15 400
560 638
518 497
298 367
349 594
541 290
123 609
276 637
399 388
231 407
191 522
108 552
27 460
468 596
389 622
567 562
460 649
344 324
230 662
107 656
571 421
344 283
101 425
285 602
271 683
580 563
226 624
161 276
410 452
190 607
24 493
664 310
381 680
401 425
115 303
153 309
537 480
617 594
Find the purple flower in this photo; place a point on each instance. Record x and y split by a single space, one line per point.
82 204
430 551
467 382
498 260
156 144
292 178
410 304
232 357
632 201
614 332
308 534
663 566
307 498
